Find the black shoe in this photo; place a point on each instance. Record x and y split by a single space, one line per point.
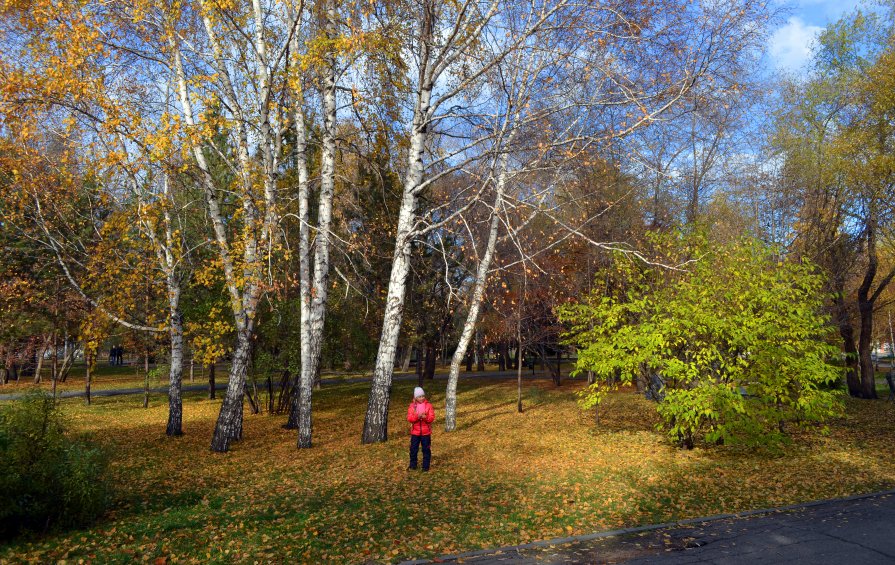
425 470
411 468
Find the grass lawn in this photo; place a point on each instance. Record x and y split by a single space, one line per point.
502 478
107 377
104 377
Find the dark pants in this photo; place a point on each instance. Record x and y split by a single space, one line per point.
415 442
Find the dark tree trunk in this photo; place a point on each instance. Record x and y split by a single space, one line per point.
145 389
251 396
294 401
55 365
431 352
557 378
847 333
229 423
547 366
519 365
288 388
146 378
865 345
419 366
211 384
480 353
87 376
502 356
867 297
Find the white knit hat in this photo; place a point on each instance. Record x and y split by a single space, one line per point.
418 392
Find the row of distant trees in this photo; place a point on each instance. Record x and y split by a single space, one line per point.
297 184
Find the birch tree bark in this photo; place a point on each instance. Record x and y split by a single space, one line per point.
313 280
431 65
478 295
259 215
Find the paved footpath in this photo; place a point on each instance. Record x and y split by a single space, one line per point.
858 530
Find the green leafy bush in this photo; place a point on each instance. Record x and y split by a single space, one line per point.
47 478
734 346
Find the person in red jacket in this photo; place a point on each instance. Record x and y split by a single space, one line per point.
420 414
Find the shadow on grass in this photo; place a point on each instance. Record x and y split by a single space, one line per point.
342 499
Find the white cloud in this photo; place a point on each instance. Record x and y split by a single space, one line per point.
790 46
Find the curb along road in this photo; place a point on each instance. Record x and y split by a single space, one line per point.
857 529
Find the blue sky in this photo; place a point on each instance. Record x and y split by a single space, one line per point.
790 44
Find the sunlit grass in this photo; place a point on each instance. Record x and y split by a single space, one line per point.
107 377
502 478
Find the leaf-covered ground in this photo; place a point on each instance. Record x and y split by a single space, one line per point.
107 377
502 478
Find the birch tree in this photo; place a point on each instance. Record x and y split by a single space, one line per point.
158 221
243 86
314 282
614 51
449 62
297 66
117 123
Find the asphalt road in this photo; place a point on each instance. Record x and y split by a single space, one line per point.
856 531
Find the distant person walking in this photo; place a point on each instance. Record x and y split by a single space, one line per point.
420 414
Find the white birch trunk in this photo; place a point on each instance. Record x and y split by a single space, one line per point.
173 282
478 294
304 245
244 301
229 423
376 420
175 374
211 199
314 299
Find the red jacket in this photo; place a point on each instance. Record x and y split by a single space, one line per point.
420 415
